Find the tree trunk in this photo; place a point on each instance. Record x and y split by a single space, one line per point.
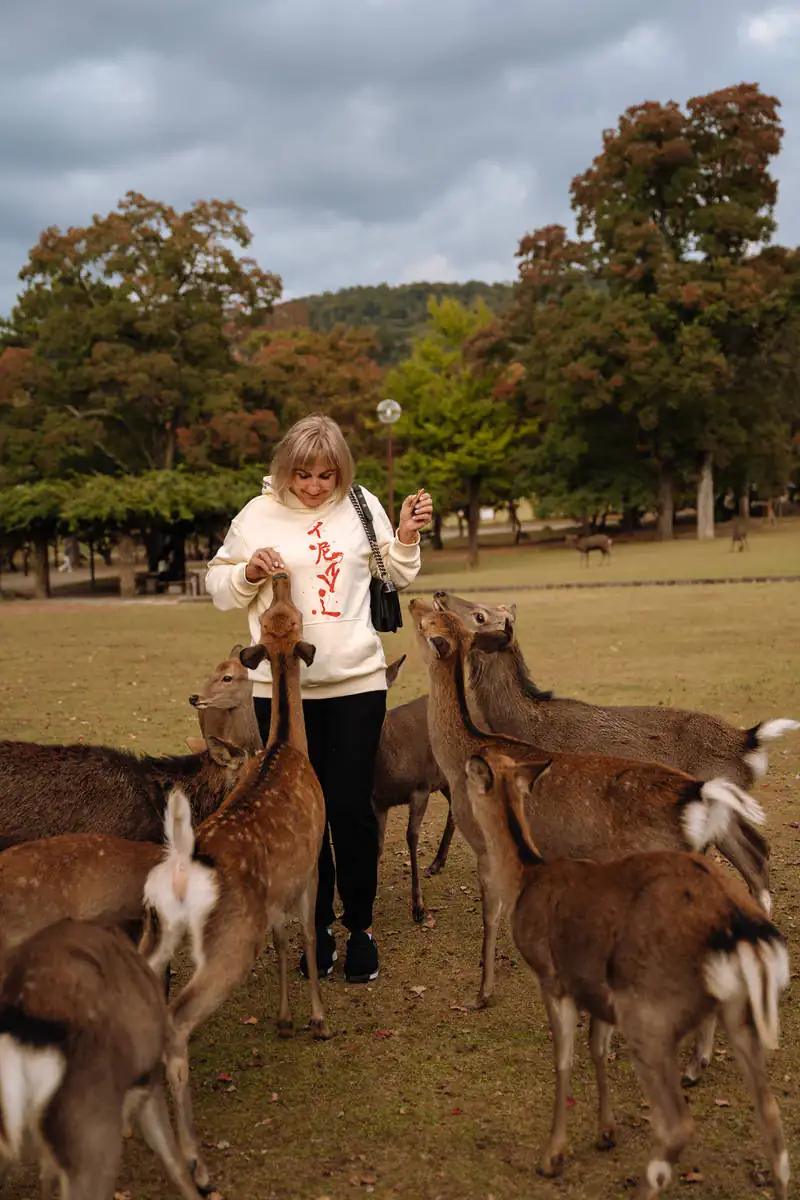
126 555
744 503
705 500
436 540
516 524
473 521
666 507
41 568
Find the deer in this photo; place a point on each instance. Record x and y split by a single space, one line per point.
653 943
248 867
406 771
49 790
739 534
225 707
83 1032
586 543
703 746
583 805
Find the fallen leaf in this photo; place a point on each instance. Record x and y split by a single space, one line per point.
459 1008
455 1112
368 1179
384 1033
692 1177
224 1077
223 1145
250 1021
274 1097
419 989
429 923
570 1102
720 1103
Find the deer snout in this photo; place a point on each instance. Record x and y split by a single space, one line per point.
193 701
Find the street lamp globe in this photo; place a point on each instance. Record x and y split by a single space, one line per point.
389 411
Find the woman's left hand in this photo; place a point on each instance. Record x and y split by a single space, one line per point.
416 512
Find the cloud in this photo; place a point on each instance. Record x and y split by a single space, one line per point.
369 140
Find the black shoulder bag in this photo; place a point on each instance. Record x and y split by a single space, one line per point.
384 601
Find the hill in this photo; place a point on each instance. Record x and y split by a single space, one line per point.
396 314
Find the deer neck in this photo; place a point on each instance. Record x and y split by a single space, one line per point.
235 725
453 731
287 724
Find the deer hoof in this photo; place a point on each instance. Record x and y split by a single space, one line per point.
480 1001
418 913
552 1165
434 868
606 1139
286 1028
202 1180
320 1031
694 1073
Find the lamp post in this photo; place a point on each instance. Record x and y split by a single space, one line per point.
388 412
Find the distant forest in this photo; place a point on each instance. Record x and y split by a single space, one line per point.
396 314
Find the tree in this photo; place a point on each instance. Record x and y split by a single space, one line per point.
677 202
128 322
35 510
458 431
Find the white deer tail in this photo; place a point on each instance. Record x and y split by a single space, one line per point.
29 1078
757 737
706 819
756 968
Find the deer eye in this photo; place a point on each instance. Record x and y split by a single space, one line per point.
227 679
480 619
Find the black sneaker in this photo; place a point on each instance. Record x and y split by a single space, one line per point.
326 954
361 960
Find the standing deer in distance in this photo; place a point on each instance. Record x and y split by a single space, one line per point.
406 771
654 944
586 543
701 745
582 805
739 534
83 1032
248 868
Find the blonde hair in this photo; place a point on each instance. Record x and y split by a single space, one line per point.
315 437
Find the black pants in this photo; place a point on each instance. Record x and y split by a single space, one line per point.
343 734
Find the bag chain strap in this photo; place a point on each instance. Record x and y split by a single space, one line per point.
369 529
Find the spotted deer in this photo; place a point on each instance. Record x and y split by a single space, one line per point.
247 869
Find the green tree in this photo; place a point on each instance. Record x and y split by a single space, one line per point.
458 431
129 321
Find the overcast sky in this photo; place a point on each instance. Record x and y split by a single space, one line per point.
369 140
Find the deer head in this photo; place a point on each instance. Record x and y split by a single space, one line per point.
281 628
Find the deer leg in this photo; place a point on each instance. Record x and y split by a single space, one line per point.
656 1064
305 911
599 1042
281 942
439 861
563 1022
153 1118
417 807
492 912
751 1060
380 817
703 1049
202 996
748 851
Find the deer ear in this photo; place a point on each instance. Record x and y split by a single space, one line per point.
526 776
440 646
196 745
480 773
225 753
305 652
511 610
236 651
252 656
393 670
491 640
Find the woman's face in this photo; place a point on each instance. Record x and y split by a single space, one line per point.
314 484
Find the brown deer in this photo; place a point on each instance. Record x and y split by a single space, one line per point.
406 771
83 1030
583 805
701 745
225 707
654 944
586 543
739 534
250 866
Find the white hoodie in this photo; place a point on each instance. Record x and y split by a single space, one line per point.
327 554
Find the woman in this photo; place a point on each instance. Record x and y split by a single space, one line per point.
305 521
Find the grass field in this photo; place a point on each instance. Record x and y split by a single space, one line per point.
415 1096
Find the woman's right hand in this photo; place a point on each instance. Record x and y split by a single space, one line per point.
263 565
